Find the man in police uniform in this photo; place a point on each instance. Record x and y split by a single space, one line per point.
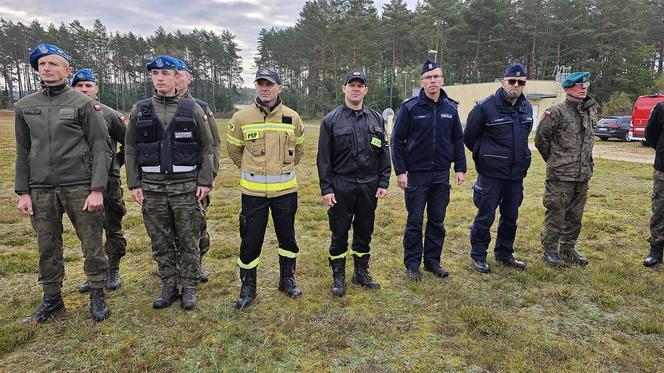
265 140
656 141
62 163
427 139
354 171
497 133
85 81
168 149
182 85
565 139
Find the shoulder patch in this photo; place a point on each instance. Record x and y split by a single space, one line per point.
122 118
547 113
231 126
97 107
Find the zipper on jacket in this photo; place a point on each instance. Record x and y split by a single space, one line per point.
433 147
50 137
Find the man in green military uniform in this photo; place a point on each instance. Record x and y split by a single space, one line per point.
565 139
62 162
656 141
85 81
182 85
168 152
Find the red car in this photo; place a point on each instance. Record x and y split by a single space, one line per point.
640 114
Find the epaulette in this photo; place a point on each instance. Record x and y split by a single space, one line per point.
484 100
452 101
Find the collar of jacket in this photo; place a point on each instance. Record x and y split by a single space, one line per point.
348 111
165 99
425 100
50 90
267 110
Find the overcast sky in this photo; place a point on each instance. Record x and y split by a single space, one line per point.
243 18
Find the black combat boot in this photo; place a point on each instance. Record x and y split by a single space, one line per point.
51 306
85 287
553 259
338 276
169 294
113 281
188 300
248 289
572 256
287 277
654 257
361 274
98 307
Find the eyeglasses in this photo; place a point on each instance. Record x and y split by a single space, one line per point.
432 77
515 81
582 85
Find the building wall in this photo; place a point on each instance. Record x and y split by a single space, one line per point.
469 94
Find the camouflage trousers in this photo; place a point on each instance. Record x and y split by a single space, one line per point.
656 239
114 210
48 206
564 202
170 212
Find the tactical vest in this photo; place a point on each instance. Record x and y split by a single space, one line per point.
169 149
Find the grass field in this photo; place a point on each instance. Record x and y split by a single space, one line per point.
604 317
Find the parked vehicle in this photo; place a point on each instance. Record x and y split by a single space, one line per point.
640 114
614 127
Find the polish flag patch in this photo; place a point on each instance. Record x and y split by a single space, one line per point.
97 107
547 113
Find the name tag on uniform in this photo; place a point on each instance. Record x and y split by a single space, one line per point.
449 116
66 114
424 116
376 142
183 135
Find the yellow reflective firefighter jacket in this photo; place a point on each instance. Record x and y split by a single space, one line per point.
266 145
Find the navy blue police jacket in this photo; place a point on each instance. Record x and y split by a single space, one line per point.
427 136
497 134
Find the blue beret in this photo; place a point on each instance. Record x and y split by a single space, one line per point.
269 75
46 50
356 74
163 62
83 75
428 66
181 65
577 77
515 69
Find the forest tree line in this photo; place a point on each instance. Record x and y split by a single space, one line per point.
620 41
119 59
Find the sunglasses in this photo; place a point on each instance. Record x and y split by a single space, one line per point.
515 81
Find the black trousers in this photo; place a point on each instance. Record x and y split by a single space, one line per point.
356 205
253 221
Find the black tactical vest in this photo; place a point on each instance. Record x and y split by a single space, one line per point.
167 149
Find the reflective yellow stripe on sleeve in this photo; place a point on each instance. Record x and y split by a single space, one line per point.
300 140
234 141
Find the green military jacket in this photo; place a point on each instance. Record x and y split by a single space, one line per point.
164 109
214 130
61 140
565 138
117 131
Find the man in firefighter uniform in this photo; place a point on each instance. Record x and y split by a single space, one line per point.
85 81
354 171
497 132
265 140
182 85
168 151
565 139
62 163
427 139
